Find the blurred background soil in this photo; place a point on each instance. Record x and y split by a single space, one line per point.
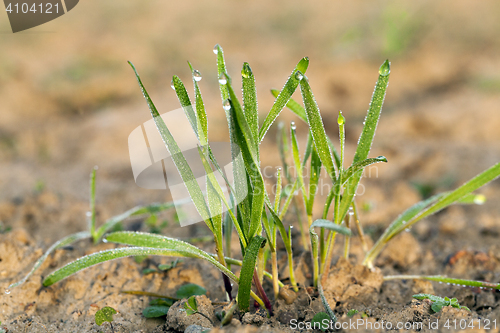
69 100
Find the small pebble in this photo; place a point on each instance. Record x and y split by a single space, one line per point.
288 295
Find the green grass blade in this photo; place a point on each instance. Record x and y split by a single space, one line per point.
228 233
215 206
247 269
141 239
297 162
471 198
293 106
249 150
429 207
277 196
462 282
438 202
201 115
269 228
239 176
283 148
325 302
250 99
402 220
321 223
281 228
289 199
314 175
138 210
359 166
301 113
237 262
185 101
444 279
283 97
60 243
214 197
96 258
180 162
316 126
244 126
336 156
367 135
341 122
309 148
315 255
373 115
450 198
399 222
221 69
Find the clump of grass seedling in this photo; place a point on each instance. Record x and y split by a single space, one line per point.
191 307
321 321
250 211
438 302
352 312
105 315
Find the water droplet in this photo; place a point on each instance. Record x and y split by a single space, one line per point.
385 69
351 211
222 78
7 291
196 75
407 229
96 167
278 168
89 214
479 199
104 240
293 126
341 119
216 48
226 105
172 84
246 71
291 227
299 76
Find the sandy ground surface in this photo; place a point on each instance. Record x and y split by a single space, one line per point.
69 102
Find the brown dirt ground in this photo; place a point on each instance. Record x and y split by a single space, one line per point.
69 102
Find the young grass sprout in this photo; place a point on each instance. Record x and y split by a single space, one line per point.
256 219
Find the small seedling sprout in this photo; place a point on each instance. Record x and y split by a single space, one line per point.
191 307
105 315
438 302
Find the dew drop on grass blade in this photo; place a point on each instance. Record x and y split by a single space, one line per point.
283 97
